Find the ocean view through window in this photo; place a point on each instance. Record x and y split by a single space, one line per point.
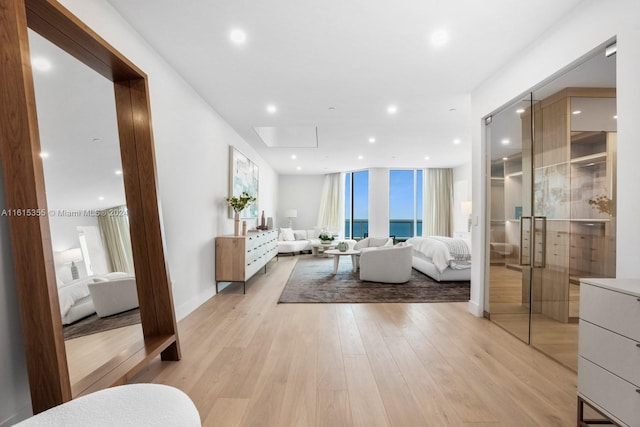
405 203
356 204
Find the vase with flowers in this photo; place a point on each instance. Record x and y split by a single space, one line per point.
325 237
238 204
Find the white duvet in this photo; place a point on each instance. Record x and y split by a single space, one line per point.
73 292
438 252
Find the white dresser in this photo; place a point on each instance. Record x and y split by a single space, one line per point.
240 257
609 349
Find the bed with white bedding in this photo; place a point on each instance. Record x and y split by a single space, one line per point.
442 258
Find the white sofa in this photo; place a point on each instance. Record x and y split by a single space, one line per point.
387 264
292 241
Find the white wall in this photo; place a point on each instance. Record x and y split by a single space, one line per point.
191 142
378 202
64 235
461 193
15 401
302 193
588 26
192 151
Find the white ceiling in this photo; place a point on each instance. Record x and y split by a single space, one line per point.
356 56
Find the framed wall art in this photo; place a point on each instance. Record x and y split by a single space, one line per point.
243 176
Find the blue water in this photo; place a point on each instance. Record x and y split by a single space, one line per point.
397 228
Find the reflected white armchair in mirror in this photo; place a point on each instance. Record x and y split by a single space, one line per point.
114 296
370 243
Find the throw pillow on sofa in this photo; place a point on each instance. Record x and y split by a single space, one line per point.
287 234
300 235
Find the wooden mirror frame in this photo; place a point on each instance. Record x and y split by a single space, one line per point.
26 201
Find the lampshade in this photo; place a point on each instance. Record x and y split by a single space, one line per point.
466 207
70 255
291 213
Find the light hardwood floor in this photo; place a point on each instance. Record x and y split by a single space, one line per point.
248 361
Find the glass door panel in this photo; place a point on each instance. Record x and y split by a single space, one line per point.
510 239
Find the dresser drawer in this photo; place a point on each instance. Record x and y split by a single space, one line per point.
612 310
613 352
611 393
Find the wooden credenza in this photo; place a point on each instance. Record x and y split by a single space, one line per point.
609 349
238 258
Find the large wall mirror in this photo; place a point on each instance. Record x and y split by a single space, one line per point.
79 173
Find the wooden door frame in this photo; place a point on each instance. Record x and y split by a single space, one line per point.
27 208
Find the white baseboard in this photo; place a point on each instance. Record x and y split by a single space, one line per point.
475 309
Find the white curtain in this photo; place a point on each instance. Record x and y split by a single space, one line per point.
331 213
438 202
114 229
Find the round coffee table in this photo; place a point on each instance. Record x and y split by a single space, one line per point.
319 249
336 258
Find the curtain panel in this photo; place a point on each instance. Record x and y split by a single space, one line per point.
331 212
114 230
438 202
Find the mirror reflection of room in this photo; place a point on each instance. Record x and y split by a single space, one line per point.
87 210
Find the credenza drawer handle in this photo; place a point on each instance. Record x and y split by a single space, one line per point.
638 390
638 345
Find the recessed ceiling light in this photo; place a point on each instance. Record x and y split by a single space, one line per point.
520 110
427 157
332 108
293 156
298 167
96 140
118 172
505 141
44 154
41 64
392 109
505 158
615 117
101 198
238 36
372 140
576 112
457 141
439 37
271 109
452 109
360 157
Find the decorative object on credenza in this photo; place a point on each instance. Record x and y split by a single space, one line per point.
343 246
243 178
270 223
291 214
71 256
238 204
262 225
244 228
325 237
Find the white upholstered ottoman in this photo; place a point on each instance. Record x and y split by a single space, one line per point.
123 406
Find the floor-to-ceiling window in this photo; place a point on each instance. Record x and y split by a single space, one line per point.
356 204
405 203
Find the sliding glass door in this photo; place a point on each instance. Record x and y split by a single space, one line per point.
551 202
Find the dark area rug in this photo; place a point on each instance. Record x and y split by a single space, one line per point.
312 281
94 324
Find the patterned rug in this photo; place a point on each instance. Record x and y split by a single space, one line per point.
94 324
312 281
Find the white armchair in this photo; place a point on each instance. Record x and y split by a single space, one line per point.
387 264
114 296
370 243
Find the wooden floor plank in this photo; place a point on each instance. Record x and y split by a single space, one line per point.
249 361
